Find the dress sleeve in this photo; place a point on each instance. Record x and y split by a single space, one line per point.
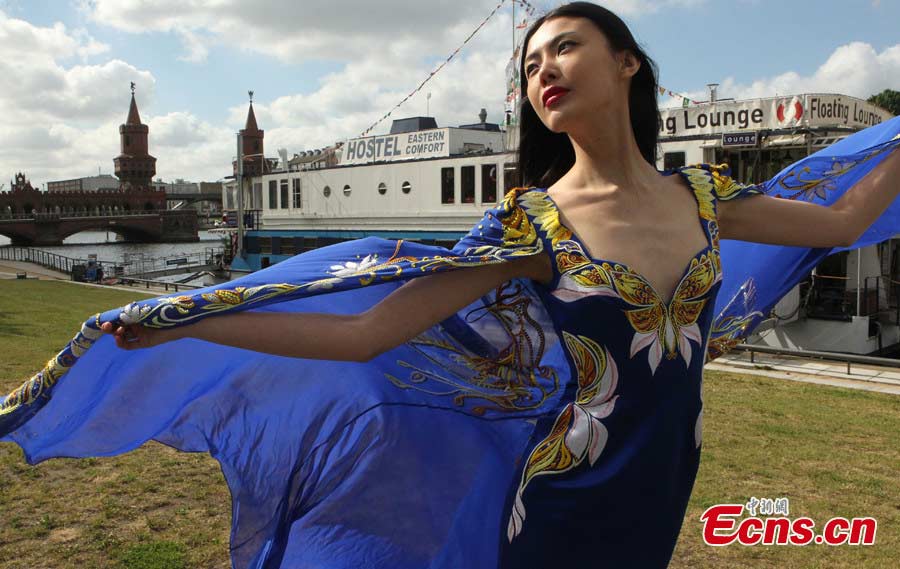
506 226
726 188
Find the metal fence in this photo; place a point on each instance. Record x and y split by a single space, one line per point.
833 356
132 266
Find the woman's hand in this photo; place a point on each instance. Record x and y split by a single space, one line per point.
133 336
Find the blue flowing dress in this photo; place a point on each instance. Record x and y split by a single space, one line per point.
542 426
593 480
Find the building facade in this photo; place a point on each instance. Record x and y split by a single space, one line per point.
86 184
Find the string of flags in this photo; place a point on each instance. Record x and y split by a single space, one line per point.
529 11
685 101
445 62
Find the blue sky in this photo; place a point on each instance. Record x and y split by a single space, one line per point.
323 70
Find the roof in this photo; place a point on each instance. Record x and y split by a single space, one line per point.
251 121
133 116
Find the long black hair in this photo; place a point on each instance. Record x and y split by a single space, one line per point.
544 156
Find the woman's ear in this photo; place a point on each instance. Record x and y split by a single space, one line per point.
629 64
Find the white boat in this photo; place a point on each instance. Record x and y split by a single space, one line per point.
419 182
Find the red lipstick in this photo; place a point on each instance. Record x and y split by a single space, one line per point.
553 94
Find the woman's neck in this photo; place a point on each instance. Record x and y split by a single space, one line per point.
608 157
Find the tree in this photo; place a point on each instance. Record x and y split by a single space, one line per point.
887 99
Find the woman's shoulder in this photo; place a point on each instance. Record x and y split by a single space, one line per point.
719 177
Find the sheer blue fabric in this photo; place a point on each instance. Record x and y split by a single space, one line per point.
757 276
416 458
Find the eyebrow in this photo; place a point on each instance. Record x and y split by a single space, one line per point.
556 39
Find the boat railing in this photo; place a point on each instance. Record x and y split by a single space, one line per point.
754 349
252 218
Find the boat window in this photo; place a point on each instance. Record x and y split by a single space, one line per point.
382 188
510 176
256 197
273 194
489 183
467 181
284 194
347 190
327 191
673 160
296 191
406 187
447 184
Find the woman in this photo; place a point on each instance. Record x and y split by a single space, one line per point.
541 407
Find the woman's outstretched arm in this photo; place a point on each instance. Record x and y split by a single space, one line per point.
405 313
765 219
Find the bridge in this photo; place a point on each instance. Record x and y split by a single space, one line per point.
36 229
192 197
32 217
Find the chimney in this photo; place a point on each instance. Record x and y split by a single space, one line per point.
713 97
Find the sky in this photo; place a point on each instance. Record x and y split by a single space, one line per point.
325 70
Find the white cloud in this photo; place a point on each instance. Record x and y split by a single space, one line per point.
645 7
855 69
53 100
350 100
296 31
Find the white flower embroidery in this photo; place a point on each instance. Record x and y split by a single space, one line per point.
667 343
351 268
578 432
133 313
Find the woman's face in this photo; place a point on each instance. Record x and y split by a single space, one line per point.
574 77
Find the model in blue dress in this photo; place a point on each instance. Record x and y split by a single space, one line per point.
514 402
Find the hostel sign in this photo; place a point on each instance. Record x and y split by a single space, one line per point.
433 143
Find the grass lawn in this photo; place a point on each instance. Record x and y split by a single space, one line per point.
832 452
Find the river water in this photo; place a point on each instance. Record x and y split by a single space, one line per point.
109 251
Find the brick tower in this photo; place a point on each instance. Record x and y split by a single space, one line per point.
252 147
135 168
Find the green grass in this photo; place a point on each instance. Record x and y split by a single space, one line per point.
832 452
155 555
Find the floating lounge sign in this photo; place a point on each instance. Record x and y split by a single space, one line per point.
774 113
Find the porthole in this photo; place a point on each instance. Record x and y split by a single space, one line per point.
327 191
406 187
382 188
347 190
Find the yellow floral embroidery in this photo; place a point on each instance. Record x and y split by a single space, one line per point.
798 185
725 186
578 432
703 188
539 206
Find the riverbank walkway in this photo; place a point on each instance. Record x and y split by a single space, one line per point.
11 270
